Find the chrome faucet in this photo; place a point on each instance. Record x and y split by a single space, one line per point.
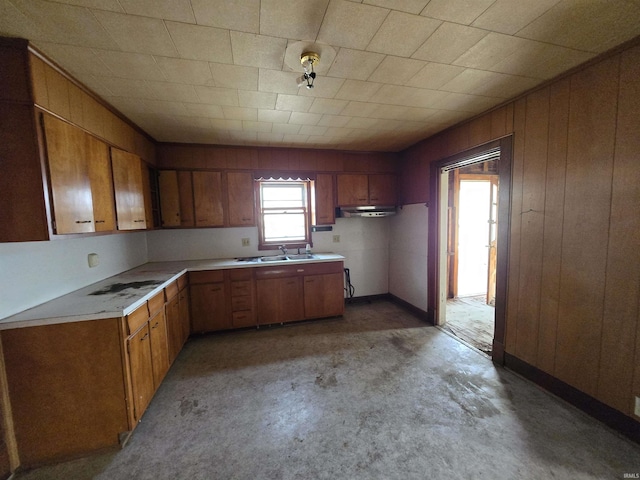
283 248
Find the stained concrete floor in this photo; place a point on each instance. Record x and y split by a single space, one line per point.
377 394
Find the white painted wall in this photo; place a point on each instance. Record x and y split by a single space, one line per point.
408 255
36 272
364 242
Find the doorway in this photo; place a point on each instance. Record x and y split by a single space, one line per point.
490 163
471 253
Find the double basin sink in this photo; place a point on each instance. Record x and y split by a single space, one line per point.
278 258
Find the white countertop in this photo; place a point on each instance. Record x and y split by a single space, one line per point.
121 294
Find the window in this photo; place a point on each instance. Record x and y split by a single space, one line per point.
284 213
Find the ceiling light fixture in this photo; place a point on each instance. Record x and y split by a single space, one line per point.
308 60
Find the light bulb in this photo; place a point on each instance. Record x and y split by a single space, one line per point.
301 80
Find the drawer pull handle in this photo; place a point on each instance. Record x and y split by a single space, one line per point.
138 221
83 221
156 325
100 221
145 337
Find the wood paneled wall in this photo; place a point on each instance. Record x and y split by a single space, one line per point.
273 159
574 249
57 93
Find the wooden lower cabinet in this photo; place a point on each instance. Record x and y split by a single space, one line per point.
185 317
159 347
141 368
279 300
209 311
323 295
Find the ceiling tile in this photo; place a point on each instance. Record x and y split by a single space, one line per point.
354 64
273 116
336 121
172 91
448 42
201 43
217 96
14 23
178 10
240 113
396 70
234 76
409 6
286 129
281 18
293 103
227 124
185 71
434 75
301 118
270 138
360 109
603 24
339 131
295 139
202 110
111 5
357 90
468 81
402 33
465 103
507 16
127 87
350 25
131 65
419 114
165 107
137 34
75 59
312 130
253 126
458 11
491 50
258 50
242 15
66 24
277 82
251 99
328 106
408 96
505 86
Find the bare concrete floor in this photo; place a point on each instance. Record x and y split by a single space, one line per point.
375 395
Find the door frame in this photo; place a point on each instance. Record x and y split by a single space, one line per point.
504 215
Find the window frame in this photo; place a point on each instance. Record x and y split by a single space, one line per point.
263 244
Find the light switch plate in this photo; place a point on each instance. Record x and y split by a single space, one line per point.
336 239
93 259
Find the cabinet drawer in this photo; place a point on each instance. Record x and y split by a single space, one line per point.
207 276
281 271
156 303
171 290
182 282
137 318
240 288
322 268
241 274
243 319
241 303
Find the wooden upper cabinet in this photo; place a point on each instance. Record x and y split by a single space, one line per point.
382 189
185 192
72 201
325 207
169 198
353 189
127 182
148 192
207 199
101 184
362 189
240 199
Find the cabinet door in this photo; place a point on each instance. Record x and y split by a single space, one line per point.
69 177
325 209
159 351
240 199
353 189
382 189
207 199
185 319
169 198
101 184
127 183
174 328
140 364
209 307
323 295
279 300
185 192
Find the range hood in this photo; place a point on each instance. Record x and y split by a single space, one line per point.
368 211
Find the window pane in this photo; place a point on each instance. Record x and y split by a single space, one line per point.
284 227
283 196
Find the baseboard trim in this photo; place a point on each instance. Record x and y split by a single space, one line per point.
418 312
367 298
627 426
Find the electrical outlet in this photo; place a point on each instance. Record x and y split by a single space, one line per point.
336 239
636 410
93 260
246 242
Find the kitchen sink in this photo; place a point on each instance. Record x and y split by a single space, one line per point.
274 258
301 256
